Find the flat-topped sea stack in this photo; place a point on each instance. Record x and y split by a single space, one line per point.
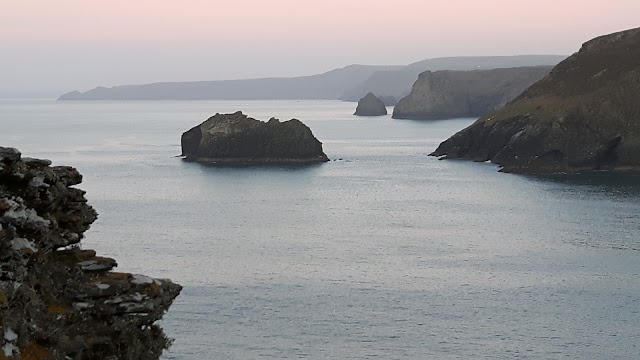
239 139
370 105
58 301
455 94
585 115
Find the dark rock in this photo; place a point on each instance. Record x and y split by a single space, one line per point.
57 301
455 94
370 105
238 139
583 116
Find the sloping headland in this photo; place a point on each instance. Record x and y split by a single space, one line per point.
349 83
583 116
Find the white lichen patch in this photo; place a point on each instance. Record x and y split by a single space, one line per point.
82 306
141 280
38 181
20 244
10 335
10 350
18 214
103 286
115 300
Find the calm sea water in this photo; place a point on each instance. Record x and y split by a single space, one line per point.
385 253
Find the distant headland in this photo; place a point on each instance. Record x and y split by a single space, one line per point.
349 83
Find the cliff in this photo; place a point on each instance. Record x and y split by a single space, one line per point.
455 94
397 82
370 105
238 139
58 301
583 116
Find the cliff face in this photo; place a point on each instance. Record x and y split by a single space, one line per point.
56 300
370 105
238 139
397 82
585 115
454 94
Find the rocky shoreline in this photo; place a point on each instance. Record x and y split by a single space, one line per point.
582 117
57 300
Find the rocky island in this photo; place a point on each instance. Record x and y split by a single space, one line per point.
370 105
583 116
454 94
58 301
239 139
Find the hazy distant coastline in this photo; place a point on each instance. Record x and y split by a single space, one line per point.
349 83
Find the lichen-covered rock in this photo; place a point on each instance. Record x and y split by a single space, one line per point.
455 94
583 116
238 139
56 300
370 105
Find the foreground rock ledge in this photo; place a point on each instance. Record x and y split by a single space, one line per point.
56 300
583 116
238 139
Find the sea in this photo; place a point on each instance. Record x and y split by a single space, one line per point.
384 252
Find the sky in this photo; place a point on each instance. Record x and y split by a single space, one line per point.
51 47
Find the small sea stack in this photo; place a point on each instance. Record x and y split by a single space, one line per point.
370 105
238 139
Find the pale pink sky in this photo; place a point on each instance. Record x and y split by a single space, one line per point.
56 46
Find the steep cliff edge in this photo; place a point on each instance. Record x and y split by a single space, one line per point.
238 139
56 300
397 82
454 94
585 115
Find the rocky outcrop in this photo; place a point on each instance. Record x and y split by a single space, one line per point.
585 115
455 94
58 301
370 105
238 139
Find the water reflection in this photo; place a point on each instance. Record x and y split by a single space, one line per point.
617 186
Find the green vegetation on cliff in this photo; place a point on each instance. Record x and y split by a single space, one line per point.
585 115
